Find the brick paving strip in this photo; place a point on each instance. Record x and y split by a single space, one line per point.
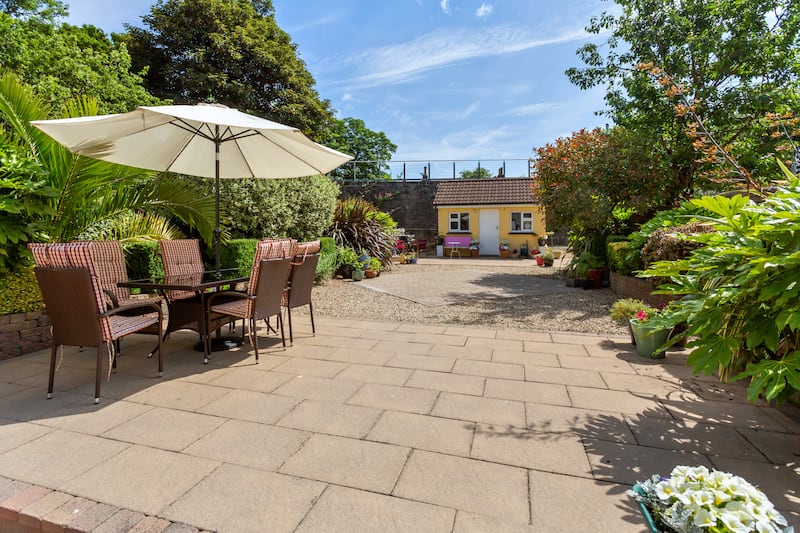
26 508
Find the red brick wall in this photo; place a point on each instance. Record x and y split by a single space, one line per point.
632 287
23 333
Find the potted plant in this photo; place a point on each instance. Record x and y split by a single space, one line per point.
440 244
589 266
698 499
649 336
348 259
540 259
504 247
623 310
373 267
547 259
474 248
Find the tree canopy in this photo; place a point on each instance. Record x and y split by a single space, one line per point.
370 148
60 62
231 52
590 180
475 173
737 60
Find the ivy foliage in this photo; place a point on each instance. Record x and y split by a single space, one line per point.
741 292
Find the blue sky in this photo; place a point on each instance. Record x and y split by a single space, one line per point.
444 79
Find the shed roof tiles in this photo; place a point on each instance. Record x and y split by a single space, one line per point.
488 191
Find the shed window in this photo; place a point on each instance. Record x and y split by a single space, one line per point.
522 221
459 222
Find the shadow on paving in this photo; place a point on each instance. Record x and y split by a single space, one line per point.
698 422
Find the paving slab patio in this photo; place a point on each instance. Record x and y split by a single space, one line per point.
374 426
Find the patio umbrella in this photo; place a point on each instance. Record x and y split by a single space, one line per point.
205 140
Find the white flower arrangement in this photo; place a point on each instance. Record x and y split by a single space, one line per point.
696 500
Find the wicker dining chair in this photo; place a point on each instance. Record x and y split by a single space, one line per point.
301 281
77 306
181 257
109 263
265 289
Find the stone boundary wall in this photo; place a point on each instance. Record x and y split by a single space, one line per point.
23 333
410 203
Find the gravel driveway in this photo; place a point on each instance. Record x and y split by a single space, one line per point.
478 292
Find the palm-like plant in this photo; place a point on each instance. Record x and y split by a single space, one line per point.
93 197
363 227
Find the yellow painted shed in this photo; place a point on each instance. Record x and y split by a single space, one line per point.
490 210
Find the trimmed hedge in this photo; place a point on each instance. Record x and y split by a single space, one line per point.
143 260
19 292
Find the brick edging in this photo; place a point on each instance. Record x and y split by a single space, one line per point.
27 508
23 333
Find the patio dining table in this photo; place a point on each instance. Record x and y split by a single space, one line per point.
193 313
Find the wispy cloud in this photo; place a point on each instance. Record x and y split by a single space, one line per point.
314 23
535 109
405 62
445 6
484 11
470 110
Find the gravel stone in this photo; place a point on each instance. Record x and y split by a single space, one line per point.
573 309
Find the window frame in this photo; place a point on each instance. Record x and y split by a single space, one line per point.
522 219
457 217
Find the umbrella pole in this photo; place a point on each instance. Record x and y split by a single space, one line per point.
217 229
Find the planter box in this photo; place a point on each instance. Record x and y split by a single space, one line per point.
633 287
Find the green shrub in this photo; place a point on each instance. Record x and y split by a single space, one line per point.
328 260
623 310
683 214
143 260
237 253
619 260
19 292
301 208
740 292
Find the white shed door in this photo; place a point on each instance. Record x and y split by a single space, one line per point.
489 231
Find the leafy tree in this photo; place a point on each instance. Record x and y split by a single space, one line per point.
370 148
231 52
584 180
62 62
42 10
88 195
737 61
476 173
